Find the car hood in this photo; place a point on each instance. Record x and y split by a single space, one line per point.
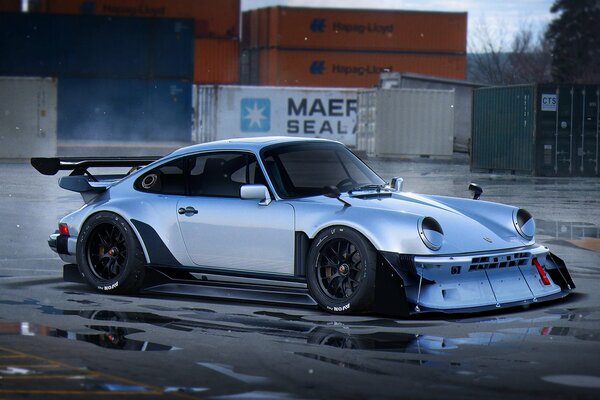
390 221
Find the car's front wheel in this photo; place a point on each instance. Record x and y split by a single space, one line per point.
341 270
109 255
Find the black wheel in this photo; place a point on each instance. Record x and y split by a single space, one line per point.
109 255
341 270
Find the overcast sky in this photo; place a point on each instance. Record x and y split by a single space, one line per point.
503 17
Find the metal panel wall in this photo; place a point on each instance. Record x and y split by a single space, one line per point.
28 122
105 110
414 122
327 28
549 130
95 46
503 129
568 130
252 111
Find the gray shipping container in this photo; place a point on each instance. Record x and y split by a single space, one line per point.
406 122
28 117
546 130
463 99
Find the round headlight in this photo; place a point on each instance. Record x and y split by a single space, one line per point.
524 223
431 233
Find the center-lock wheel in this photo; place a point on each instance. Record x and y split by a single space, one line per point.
109 255
341 270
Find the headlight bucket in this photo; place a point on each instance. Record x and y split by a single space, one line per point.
524 223
431 233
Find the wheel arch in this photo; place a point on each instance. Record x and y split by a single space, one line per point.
132 226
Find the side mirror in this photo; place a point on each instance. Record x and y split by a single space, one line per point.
476 190
256 192
396 184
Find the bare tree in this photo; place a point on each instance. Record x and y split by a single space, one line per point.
526 60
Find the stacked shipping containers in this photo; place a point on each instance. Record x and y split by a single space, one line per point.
126 68
216 28
349 48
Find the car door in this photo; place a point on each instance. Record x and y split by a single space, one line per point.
220 230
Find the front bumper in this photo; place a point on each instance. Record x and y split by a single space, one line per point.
479 282
64 246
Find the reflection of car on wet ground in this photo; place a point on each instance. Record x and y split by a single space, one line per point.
295 221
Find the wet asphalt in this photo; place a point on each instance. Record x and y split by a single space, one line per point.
63 340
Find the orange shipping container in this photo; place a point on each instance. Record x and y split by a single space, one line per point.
212 19
216 61
318 28
349 69
10 5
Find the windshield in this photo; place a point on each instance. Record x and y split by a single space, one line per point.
306 169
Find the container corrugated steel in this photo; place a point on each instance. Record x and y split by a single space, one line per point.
409 122
105 110
503 129
567 137
463 99
321 28
348 69
212 19
217 61
28 123
547 130
225 112
10 6
96 46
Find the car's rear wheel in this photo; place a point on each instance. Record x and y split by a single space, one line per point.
109 255
341 270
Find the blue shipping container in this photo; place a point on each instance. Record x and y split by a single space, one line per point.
124 110
89 46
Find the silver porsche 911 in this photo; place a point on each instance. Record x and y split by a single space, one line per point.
295 221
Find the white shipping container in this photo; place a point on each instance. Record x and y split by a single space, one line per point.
224 112
27 117
406 122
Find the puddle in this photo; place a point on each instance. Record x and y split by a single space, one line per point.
582 235
343 364
582 381
589 314
109 337
345 320
257 395
229 371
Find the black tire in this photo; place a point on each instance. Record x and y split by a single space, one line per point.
109 256
341 270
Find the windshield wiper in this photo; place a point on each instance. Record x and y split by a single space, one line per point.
370 186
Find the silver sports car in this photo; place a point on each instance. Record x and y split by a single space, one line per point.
300 221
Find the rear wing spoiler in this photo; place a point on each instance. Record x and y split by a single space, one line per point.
80 179
79 166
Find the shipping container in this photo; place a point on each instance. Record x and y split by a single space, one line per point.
10 6
107 111
382 30
463 99
224 112
28 123
344 69
546 130
217 61
406 122
212 19
95 46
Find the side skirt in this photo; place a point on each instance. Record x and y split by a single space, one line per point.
204 283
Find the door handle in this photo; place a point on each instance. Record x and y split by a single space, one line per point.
187 210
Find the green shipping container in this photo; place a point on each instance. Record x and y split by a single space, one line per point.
545 130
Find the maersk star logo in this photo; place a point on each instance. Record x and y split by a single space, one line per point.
256 115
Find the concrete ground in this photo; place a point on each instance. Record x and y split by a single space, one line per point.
63 340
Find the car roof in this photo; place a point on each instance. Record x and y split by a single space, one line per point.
254 144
